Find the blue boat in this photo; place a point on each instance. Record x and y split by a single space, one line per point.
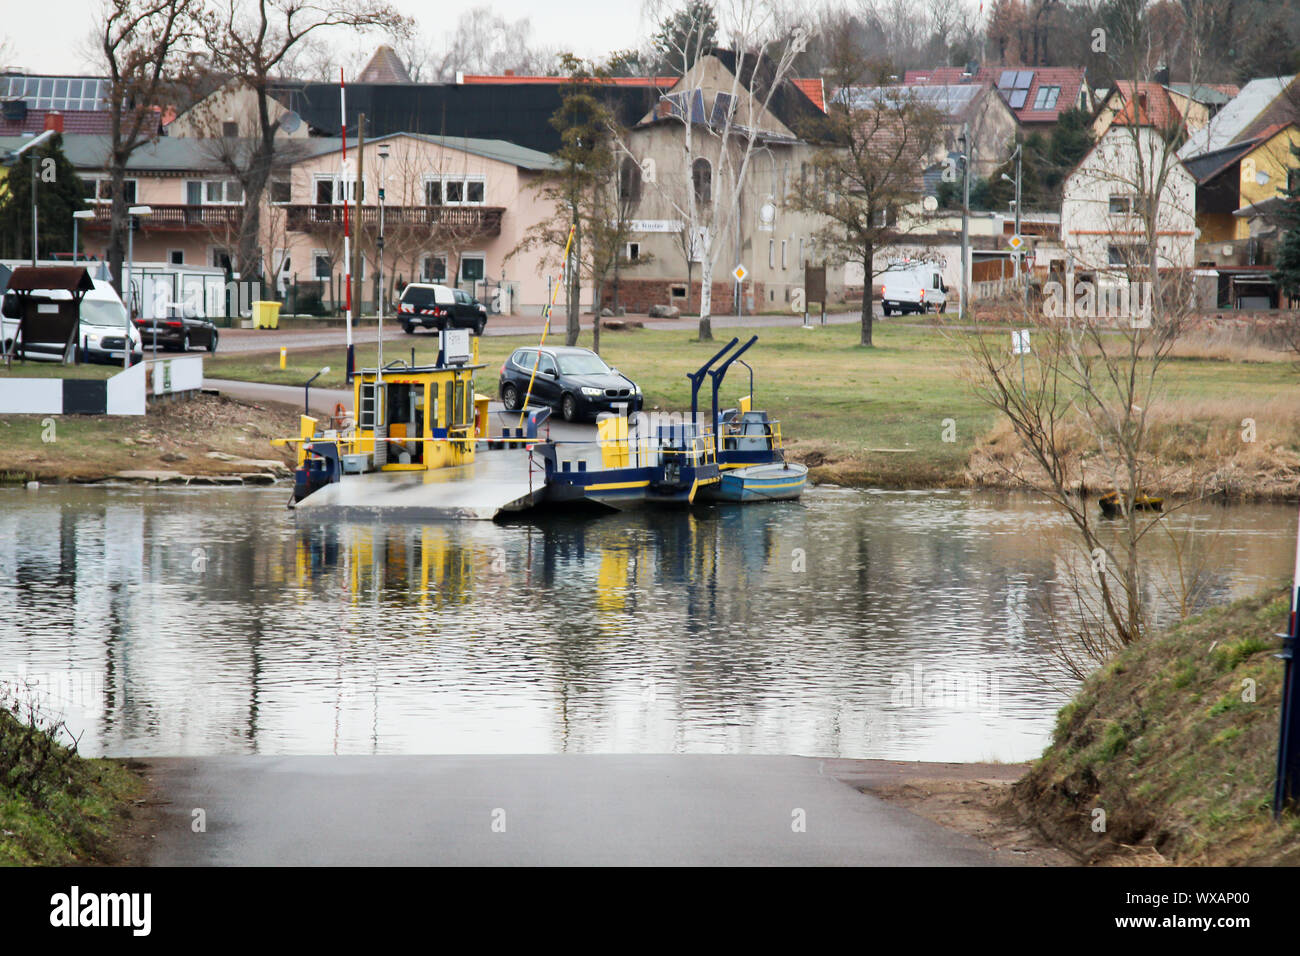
781 481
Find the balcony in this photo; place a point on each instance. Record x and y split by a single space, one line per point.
465 220
178 216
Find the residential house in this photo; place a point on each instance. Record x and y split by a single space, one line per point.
29 103
1102 228
1171 106
1037 96
1240 190
771 238
971 106
454 211
1261 103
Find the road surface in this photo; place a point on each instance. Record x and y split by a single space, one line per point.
661 810
254 341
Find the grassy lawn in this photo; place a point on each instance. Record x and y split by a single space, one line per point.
874 416
57 370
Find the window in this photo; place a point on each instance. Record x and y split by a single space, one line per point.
321 264
1046 97
101 190
221 258
771 253
783 256
629 181
281 191
333 190
1121 205
176 257
702 178
471 268
633 251
223 192
455 192
546 365
433 269
474 191
433 192
677 292
229 129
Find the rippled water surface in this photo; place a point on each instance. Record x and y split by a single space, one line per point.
853 623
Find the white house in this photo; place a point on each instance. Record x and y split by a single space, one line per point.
1102 229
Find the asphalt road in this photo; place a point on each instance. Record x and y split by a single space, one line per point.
254 341
669 810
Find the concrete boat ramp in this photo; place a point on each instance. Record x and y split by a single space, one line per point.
495 483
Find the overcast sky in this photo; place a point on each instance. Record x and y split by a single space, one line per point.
48 36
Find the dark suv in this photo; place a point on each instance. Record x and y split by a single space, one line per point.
428 305
575 381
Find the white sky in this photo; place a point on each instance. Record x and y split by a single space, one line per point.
48 36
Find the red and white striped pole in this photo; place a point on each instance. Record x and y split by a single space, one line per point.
347 237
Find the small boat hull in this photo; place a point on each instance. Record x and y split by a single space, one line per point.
781 481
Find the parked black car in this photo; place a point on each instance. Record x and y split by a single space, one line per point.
575 381
178 330
431 306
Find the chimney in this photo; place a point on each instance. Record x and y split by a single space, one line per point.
54 121
510 72
1161 75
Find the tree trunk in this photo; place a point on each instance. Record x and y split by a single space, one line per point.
706 300
868 314
573 328
597 292
119 223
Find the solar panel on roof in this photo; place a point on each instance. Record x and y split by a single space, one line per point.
1018 98
1024 79
1007 80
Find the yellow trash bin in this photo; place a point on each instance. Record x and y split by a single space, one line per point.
266 315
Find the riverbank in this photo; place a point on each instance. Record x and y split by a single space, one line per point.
206 439
60 809
1166 756
903 414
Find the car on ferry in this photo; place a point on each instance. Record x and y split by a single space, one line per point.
574 381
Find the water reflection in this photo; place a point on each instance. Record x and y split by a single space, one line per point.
903 625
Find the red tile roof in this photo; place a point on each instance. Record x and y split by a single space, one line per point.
1156 107
1069 78
74 121
509 78
811 88
814 90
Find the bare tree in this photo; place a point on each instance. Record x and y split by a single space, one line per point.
866 181
728 133
142 43
1081 407
254 40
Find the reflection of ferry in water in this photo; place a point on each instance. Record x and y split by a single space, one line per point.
415 447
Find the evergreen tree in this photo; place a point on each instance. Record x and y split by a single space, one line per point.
1287 273
59 193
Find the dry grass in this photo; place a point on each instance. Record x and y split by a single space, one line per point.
173 436
1165 741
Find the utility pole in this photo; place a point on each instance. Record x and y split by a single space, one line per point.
358 287
34 212
965 220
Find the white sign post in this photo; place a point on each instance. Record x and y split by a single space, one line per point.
1020 346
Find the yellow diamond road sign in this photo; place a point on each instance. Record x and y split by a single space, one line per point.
1017 243
740 272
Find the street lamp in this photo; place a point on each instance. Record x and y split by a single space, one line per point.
135 212
306 390
962 143
379 246
76 219
1018 253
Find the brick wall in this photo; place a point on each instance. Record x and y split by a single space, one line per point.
638 295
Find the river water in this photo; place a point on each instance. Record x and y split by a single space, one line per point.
854 623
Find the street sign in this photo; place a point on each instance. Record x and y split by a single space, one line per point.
1020 342
1016 243
739 273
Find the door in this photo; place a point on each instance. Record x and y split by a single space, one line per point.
465 313
547 387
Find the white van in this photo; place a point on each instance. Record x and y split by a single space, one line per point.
103 334
914 287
